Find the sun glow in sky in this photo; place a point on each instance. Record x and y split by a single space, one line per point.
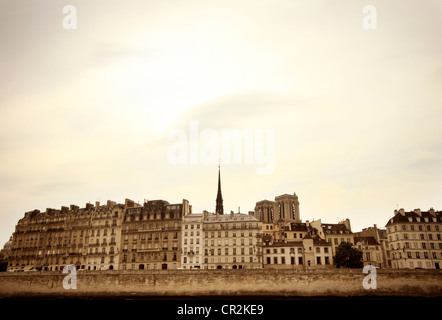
85 113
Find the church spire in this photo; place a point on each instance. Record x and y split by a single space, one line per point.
219 198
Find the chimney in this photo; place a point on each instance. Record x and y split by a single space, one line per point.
185 208
97 204
110 203
89 206
128 203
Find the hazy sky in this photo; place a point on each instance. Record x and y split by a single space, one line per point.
85 113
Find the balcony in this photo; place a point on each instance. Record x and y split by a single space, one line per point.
149 250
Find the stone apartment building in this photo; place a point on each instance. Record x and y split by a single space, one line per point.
192 241
371 251
373 244
334 233
85 237
231 241
160 235
415 239
151 235
296 245
103 249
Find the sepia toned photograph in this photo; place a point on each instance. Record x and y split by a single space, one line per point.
221 159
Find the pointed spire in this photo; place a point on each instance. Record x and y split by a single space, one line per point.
219 198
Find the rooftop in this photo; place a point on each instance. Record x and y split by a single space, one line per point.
415 216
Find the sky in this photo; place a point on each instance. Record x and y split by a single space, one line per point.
349 117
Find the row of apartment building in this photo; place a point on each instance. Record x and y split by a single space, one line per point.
160 235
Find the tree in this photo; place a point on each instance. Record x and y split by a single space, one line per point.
347 256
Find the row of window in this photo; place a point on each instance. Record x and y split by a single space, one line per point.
152 236
232 260
217 226
227 234
66 235
212 260
165 246
149 257
294 261
229 251
413 227
421 236
151 226
229 242
192 226
154 266
416 255
293 250
152 216
417 245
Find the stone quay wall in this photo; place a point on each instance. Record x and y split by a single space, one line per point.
194 283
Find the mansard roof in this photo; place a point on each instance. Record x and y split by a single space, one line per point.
298 226
335 228
415 216
369 241
240 217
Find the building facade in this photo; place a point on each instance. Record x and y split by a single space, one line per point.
334 233
151 235
310 252
371 251
415 239
296 245
192 241
103 248
231 241
372 241
84 237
